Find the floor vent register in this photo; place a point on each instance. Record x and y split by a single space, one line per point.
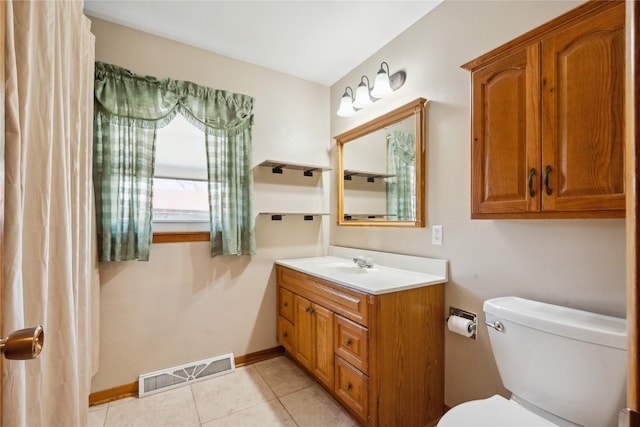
170 378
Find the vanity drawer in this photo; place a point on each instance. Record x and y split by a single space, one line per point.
285 303
347 302
352 387
286 334
352 343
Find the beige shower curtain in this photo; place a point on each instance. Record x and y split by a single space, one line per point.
50 267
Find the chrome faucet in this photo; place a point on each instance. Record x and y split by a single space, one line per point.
361 262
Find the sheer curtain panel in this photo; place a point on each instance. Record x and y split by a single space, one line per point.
128 110
50 267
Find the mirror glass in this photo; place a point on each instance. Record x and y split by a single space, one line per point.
381 170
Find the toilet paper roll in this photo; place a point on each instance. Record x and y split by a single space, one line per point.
460 325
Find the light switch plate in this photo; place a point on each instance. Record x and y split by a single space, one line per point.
436 234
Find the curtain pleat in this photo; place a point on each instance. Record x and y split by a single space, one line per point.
50 263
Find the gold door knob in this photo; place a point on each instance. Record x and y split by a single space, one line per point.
24 344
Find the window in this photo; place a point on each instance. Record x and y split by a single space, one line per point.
180 196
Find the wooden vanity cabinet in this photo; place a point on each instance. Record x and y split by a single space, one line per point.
381 356
548 120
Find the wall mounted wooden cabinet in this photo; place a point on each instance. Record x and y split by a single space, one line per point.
548 120
381 356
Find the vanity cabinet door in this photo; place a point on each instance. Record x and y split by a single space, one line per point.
304 331
285 304
314 338
286 334
352 343
323 324
352 386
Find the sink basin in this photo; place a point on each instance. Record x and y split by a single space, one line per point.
348 268
376 280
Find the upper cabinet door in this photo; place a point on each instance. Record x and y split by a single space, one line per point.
583 114
505 158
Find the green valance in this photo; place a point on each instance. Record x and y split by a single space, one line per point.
147 102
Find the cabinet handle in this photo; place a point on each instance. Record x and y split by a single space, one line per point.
347 386
308 309
532 172
347 342
285 304
285 335
547 170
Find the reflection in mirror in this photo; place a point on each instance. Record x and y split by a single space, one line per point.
381 170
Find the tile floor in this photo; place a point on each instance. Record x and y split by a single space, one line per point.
271 393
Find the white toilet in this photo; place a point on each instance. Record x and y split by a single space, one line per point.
564 367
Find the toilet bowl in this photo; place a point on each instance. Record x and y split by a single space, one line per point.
564 367
495 411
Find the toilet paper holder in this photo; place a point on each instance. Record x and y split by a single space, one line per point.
473 317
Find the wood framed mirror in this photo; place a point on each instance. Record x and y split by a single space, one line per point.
381 173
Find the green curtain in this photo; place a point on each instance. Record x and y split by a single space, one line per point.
128 110
401 162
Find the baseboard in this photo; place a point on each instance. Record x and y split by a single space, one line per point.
131 390
115 393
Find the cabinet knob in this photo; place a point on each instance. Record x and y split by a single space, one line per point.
347 386
284 335
285 304
347 342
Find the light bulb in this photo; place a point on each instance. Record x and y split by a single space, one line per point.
346 105
362 96
381 86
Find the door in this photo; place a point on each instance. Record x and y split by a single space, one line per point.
632 159
583 114
2 91
505 154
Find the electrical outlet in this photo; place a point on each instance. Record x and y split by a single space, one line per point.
436 234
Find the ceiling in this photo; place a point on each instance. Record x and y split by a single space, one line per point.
319 41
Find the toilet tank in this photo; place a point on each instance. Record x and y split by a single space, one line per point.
570 363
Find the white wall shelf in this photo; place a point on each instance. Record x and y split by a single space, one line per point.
277 216
278 167
370 176
355 217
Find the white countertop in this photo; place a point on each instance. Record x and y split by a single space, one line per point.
377 280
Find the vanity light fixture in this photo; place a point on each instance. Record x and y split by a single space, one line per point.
346 104
385 84
382 86
363 99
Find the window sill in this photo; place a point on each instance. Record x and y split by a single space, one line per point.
181 236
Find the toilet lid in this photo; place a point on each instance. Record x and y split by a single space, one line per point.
496 411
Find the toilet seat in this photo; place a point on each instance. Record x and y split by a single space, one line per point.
495 411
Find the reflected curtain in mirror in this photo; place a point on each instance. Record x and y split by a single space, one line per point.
381 170
401 187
